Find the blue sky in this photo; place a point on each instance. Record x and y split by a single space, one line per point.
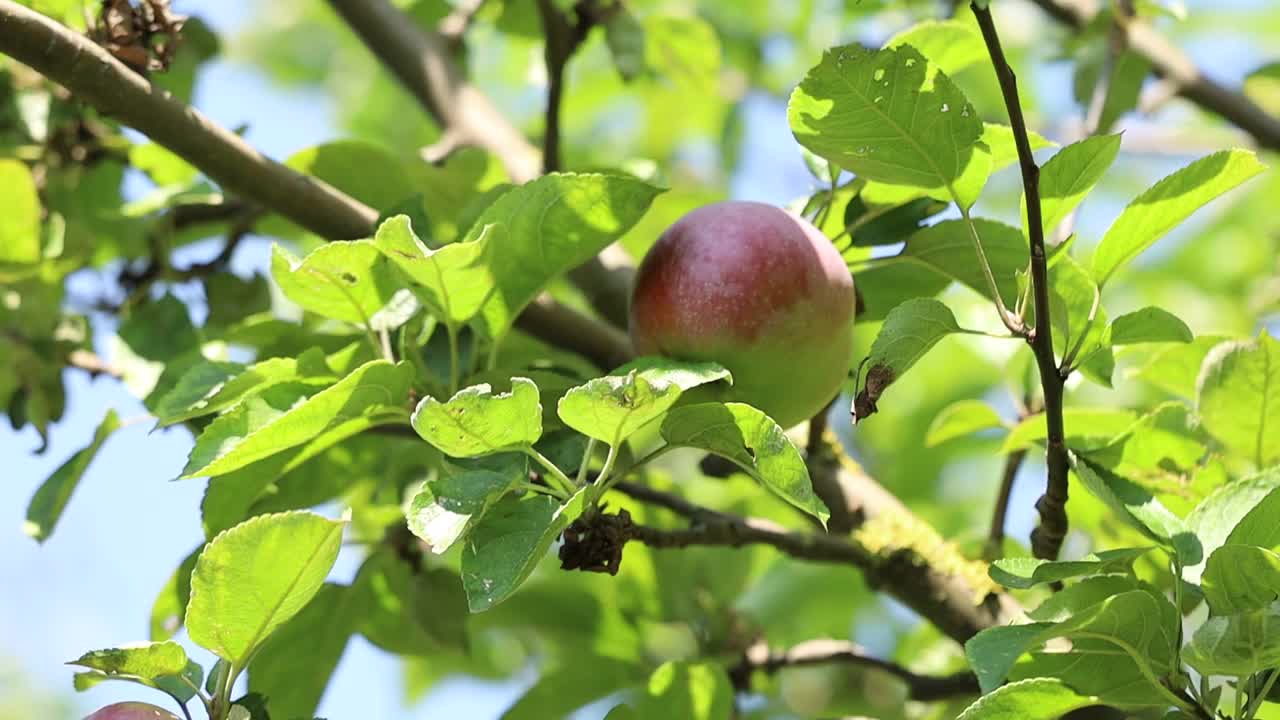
92 584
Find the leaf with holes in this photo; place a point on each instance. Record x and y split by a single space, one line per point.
348 281
886 115
477 422
454 281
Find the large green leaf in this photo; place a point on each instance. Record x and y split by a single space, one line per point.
1137 507
281 418
886 115
254 577
910 330
476 422
212 387
552 224
1069 175
349 281
1238 578
1037 699
613 407
1023 573
1237 645
1238 398
454 280
1167 203
947 247
293 667
506 544
54 493
1218 515
951 45
751 441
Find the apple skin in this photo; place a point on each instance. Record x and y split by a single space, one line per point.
132 711
757 289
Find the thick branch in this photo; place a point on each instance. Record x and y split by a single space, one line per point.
421 61
1171 63
1046 539
825 652
95 76
946 598
563 326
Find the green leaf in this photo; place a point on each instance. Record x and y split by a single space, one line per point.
1167 203
1128 73
1069 175
947 247
1238 398
54 493
1074 295
454 281
1175 368
751 441
950 45
559 692
1004 149
910 330
1137 507
613 407
554 223
294 665
886 115
993 652
696 691
1087 428
1218 515
151 664
347 280
443 508
20 221
1238 578
1036 699
505 546
1022 573
409 609
1236 645
280 418
212 387
370 173
683 50
960 419
171 603
1260 525
1081 595
254 577
625 37
477 422
1150 324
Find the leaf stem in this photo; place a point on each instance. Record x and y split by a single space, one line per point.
586 462
1009 319
554 492
1046 539
602 483
566 485
452 331
1069 359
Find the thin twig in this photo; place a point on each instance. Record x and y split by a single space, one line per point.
563 36
995 538
826 652
1171 63
1046 539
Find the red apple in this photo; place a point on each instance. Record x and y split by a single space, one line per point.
757 289
132 711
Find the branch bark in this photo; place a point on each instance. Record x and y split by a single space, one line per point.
1046 539
1171 63
924 688
95 76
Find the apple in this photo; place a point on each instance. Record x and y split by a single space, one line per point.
757 289
132 711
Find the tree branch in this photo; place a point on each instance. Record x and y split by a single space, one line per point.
420 60
1171 63
995 537
825 652
941 588
95 76
1046 539
562 326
